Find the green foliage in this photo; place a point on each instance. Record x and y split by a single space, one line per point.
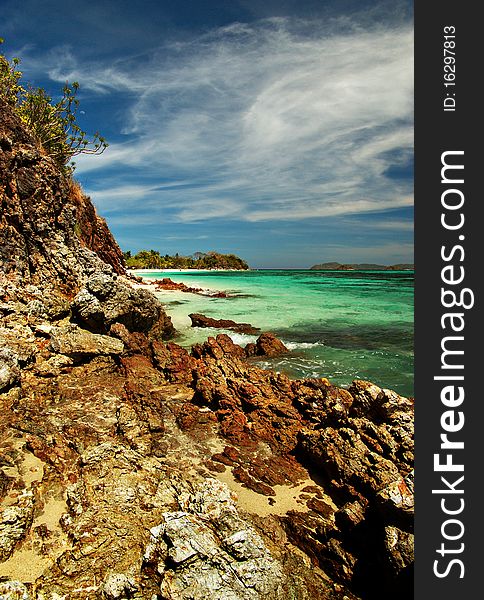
152 259
53 125
10 88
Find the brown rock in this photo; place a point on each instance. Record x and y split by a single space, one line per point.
400 547
250 349
94 232
105 300
320 507
199 320
257 486
221 458
167 284
43 239
269 345
180 366
135 343
77 343
218 347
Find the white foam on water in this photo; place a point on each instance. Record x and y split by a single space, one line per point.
301 345
241 338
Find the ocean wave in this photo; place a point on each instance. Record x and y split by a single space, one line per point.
301 345
241 338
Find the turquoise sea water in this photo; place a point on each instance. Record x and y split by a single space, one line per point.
343 325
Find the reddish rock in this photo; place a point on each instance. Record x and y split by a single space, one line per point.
199 320
134 343
313 489
181 364
189 417
173 361
218 347
320 507
215 467
235 427
167 284
231 453
161 354
257 486
250 349
250 402
221 458
320 402
94 232
269 345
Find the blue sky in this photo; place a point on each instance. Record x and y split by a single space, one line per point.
279 130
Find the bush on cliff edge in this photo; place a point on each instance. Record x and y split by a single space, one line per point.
53 125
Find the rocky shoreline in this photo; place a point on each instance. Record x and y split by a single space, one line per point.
133 468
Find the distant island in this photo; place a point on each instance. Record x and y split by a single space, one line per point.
335 266
152 259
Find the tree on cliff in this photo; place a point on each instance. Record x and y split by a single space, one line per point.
53 125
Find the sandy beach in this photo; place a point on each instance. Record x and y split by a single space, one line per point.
147 271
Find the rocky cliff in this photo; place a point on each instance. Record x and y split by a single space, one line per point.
132 468
50 233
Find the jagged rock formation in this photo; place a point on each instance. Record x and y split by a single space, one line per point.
132 468
93 231
50 234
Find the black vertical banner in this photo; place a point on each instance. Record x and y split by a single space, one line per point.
449 244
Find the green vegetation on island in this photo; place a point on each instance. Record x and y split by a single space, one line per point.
335 266
152 259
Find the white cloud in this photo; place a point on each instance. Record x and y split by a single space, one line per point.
280 120
396 225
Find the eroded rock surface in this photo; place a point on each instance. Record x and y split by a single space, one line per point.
133 468
207 550
130 453
42 217
104 301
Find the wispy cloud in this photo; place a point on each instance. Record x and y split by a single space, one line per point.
396 225
278 120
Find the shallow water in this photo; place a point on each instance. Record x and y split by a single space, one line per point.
340 324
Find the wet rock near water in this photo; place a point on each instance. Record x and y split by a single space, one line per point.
199 320
167 284
268 344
